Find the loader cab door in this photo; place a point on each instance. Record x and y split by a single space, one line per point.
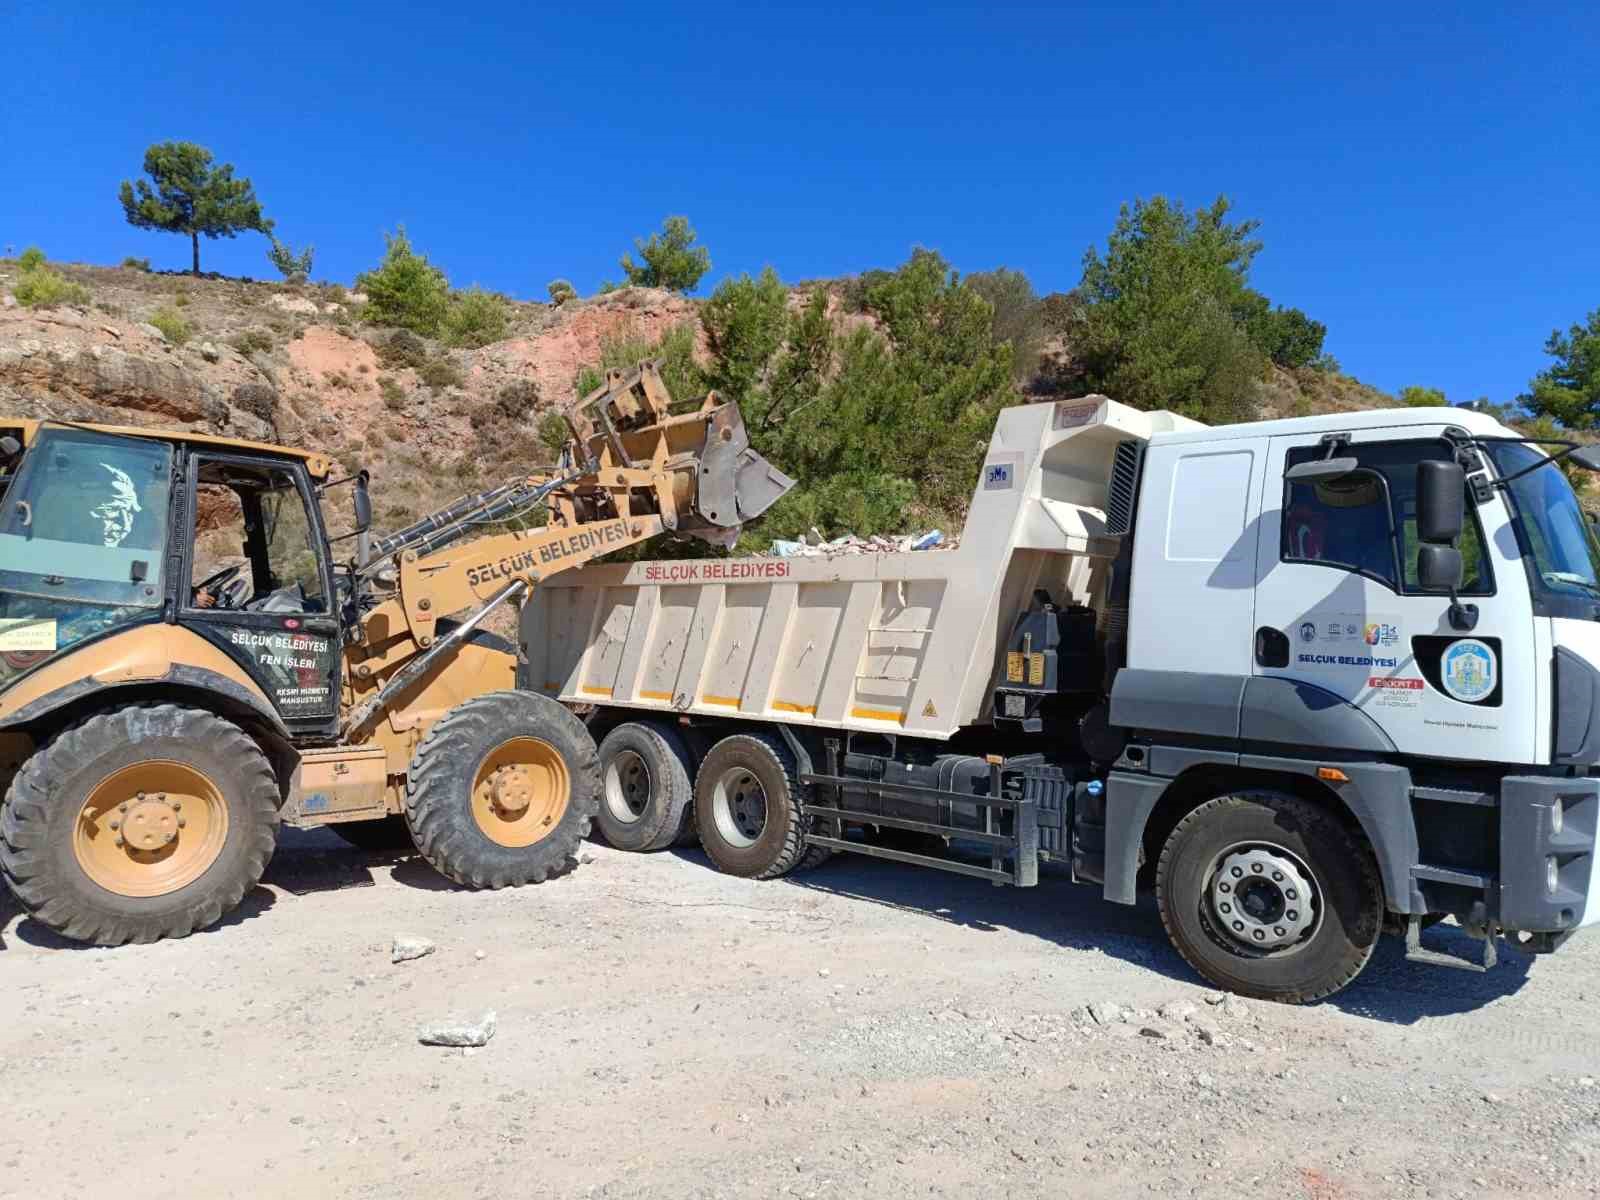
1339 609
256 580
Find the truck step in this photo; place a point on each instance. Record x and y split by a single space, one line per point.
1418 953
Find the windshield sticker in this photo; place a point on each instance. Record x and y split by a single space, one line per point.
1347 639
27 634
1467 670
116 512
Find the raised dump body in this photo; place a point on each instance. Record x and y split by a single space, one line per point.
879 641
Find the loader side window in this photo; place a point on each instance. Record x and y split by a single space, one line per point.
1366 522
256 547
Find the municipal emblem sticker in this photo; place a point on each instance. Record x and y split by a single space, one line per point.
1468 671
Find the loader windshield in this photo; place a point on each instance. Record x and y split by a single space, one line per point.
83 534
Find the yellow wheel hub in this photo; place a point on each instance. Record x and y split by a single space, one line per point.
520 792
150 828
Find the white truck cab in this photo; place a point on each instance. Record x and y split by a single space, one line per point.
1283 620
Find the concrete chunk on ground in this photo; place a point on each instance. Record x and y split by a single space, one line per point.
458 1033
406 948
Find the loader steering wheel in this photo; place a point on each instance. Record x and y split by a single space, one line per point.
223 588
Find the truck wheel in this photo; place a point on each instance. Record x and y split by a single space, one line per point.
379 835
1268 895
502 790
747 807
148 822
645 793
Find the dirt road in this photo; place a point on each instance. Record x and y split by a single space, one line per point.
862 1030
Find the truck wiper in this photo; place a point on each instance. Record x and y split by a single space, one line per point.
1570 577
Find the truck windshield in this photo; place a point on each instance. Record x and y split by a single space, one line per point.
1556 536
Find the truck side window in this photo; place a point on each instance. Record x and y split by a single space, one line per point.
1367 521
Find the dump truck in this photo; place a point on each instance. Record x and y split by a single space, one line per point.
1311 680
185 665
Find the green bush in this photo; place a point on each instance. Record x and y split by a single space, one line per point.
561 291
1157 326
1019 317
1422 397
1568 391
670 259
296 268
405 289
476 318
402 348
394 396
745 321
253 341
516 400
43 288
31 259
172 325
440 373
553 433
136 264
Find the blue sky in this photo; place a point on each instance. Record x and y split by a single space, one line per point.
1428 183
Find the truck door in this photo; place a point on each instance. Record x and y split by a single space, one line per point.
1338 607
259 583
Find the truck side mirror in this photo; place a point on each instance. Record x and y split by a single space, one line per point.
1439 568
1440 510
363 503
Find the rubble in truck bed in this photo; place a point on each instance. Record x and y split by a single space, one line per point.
814 545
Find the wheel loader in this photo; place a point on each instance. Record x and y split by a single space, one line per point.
186 664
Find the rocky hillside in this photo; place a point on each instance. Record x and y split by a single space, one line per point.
298 365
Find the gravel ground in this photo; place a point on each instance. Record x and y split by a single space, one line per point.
866 1029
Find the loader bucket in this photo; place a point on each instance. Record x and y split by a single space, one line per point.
703 475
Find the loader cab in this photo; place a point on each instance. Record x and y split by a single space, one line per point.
103 530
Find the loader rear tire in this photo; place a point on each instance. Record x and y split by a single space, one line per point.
646 799
502 790
142 823
381 835
747 804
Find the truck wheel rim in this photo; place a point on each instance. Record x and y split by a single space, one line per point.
150 829
628 785
1263 899
520 792
739 807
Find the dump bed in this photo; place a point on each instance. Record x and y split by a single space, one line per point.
879 641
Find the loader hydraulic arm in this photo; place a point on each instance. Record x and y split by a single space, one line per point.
632 469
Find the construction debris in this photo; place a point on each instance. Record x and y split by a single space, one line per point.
406 948
458 1033
815 545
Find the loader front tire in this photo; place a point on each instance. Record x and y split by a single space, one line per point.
142 823
646 798
502 790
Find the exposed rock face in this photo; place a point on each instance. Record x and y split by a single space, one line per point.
59 363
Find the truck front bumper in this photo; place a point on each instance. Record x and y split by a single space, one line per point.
1547 856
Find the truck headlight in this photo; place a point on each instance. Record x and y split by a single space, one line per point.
1552 874
1556 817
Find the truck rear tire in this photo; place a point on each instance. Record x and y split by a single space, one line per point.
502 790
747 807
646 798
147 822
1270 896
